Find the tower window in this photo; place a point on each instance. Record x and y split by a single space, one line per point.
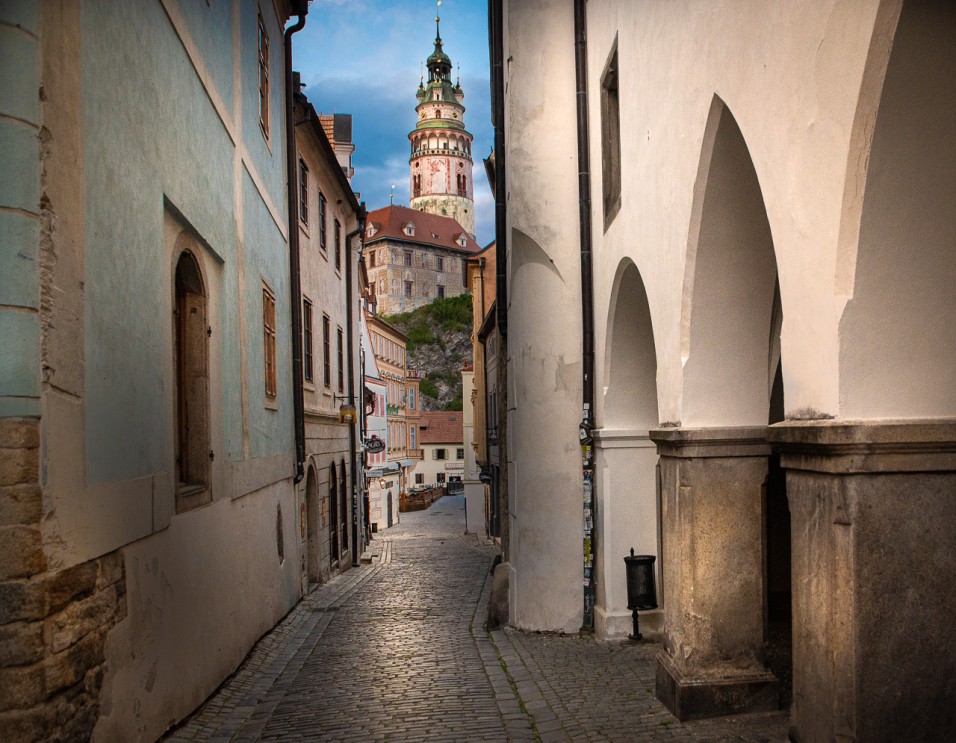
611 137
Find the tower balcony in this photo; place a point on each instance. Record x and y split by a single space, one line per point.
442 151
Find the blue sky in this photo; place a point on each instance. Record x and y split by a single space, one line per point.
364 57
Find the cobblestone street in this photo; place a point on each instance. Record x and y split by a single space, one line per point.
396 650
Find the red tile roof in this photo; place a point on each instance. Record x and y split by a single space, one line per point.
441 427
430 229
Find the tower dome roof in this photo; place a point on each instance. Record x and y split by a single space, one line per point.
438 63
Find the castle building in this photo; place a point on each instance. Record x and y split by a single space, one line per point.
440 163
414 258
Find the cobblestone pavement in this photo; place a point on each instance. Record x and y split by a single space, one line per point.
396 651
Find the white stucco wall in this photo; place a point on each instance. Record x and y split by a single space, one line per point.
748 128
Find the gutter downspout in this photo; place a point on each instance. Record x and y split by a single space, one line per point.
298 399
357 537
495 19
587 309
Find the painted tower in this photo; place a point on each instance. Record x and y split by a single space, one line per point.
440 163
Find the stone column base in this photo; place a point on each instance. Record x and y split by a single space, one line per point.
694 697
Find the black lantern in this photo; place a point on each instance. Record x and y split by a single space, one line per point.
641 591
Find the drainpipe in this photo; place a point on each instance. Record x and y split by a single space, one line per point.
300 8
357 537
587 308
495 19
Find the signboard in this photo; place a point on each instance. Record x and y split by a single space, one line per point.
346 414
374 446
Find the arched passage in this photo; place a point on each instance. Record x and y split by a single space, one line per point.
723 500
898 332
627 511
729 299
630 398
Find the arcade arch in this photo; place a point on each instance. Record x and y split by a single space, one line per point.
897 332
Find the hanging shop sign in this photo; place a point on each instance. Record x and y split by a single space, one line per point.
374 446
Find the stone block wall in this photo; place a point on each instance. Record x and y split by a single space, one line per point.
53 623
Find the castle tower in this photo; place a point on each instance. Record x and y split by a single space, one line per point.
440 163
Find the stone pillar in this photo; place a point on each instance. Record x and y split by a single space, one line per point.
873 508
712 504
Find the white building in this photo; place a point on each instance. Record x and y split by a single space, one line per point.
382 512
443 450
770 397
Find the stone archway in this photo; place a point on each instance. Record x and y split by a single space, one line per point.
627 505
714 465
898 331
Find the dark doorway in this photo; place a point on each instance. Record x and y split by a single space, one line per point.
192 386
333 518
777 568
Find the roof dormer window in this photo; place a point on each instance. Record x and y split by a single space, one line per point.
410 229
462 240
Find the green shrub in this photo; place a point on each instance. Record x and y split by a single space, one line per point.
427 387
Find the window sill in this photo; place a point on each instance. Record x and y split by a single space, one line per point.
192 496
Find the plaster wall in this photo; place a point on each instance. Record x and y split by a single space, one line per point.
544 364
628 517
150 147
19 210
794 95
189 610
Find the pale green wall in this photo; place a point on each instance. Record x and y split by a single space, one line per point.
19 229
151 134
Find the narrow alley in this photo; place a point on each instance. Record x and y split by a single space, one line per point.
397 650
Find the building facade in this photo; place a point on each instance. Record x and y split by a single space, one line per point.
768 403
443 450
414 258
146 398
388 482
329 238
440 166
481 283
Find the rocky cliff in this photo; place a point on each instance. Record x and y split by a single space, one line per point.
439 342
